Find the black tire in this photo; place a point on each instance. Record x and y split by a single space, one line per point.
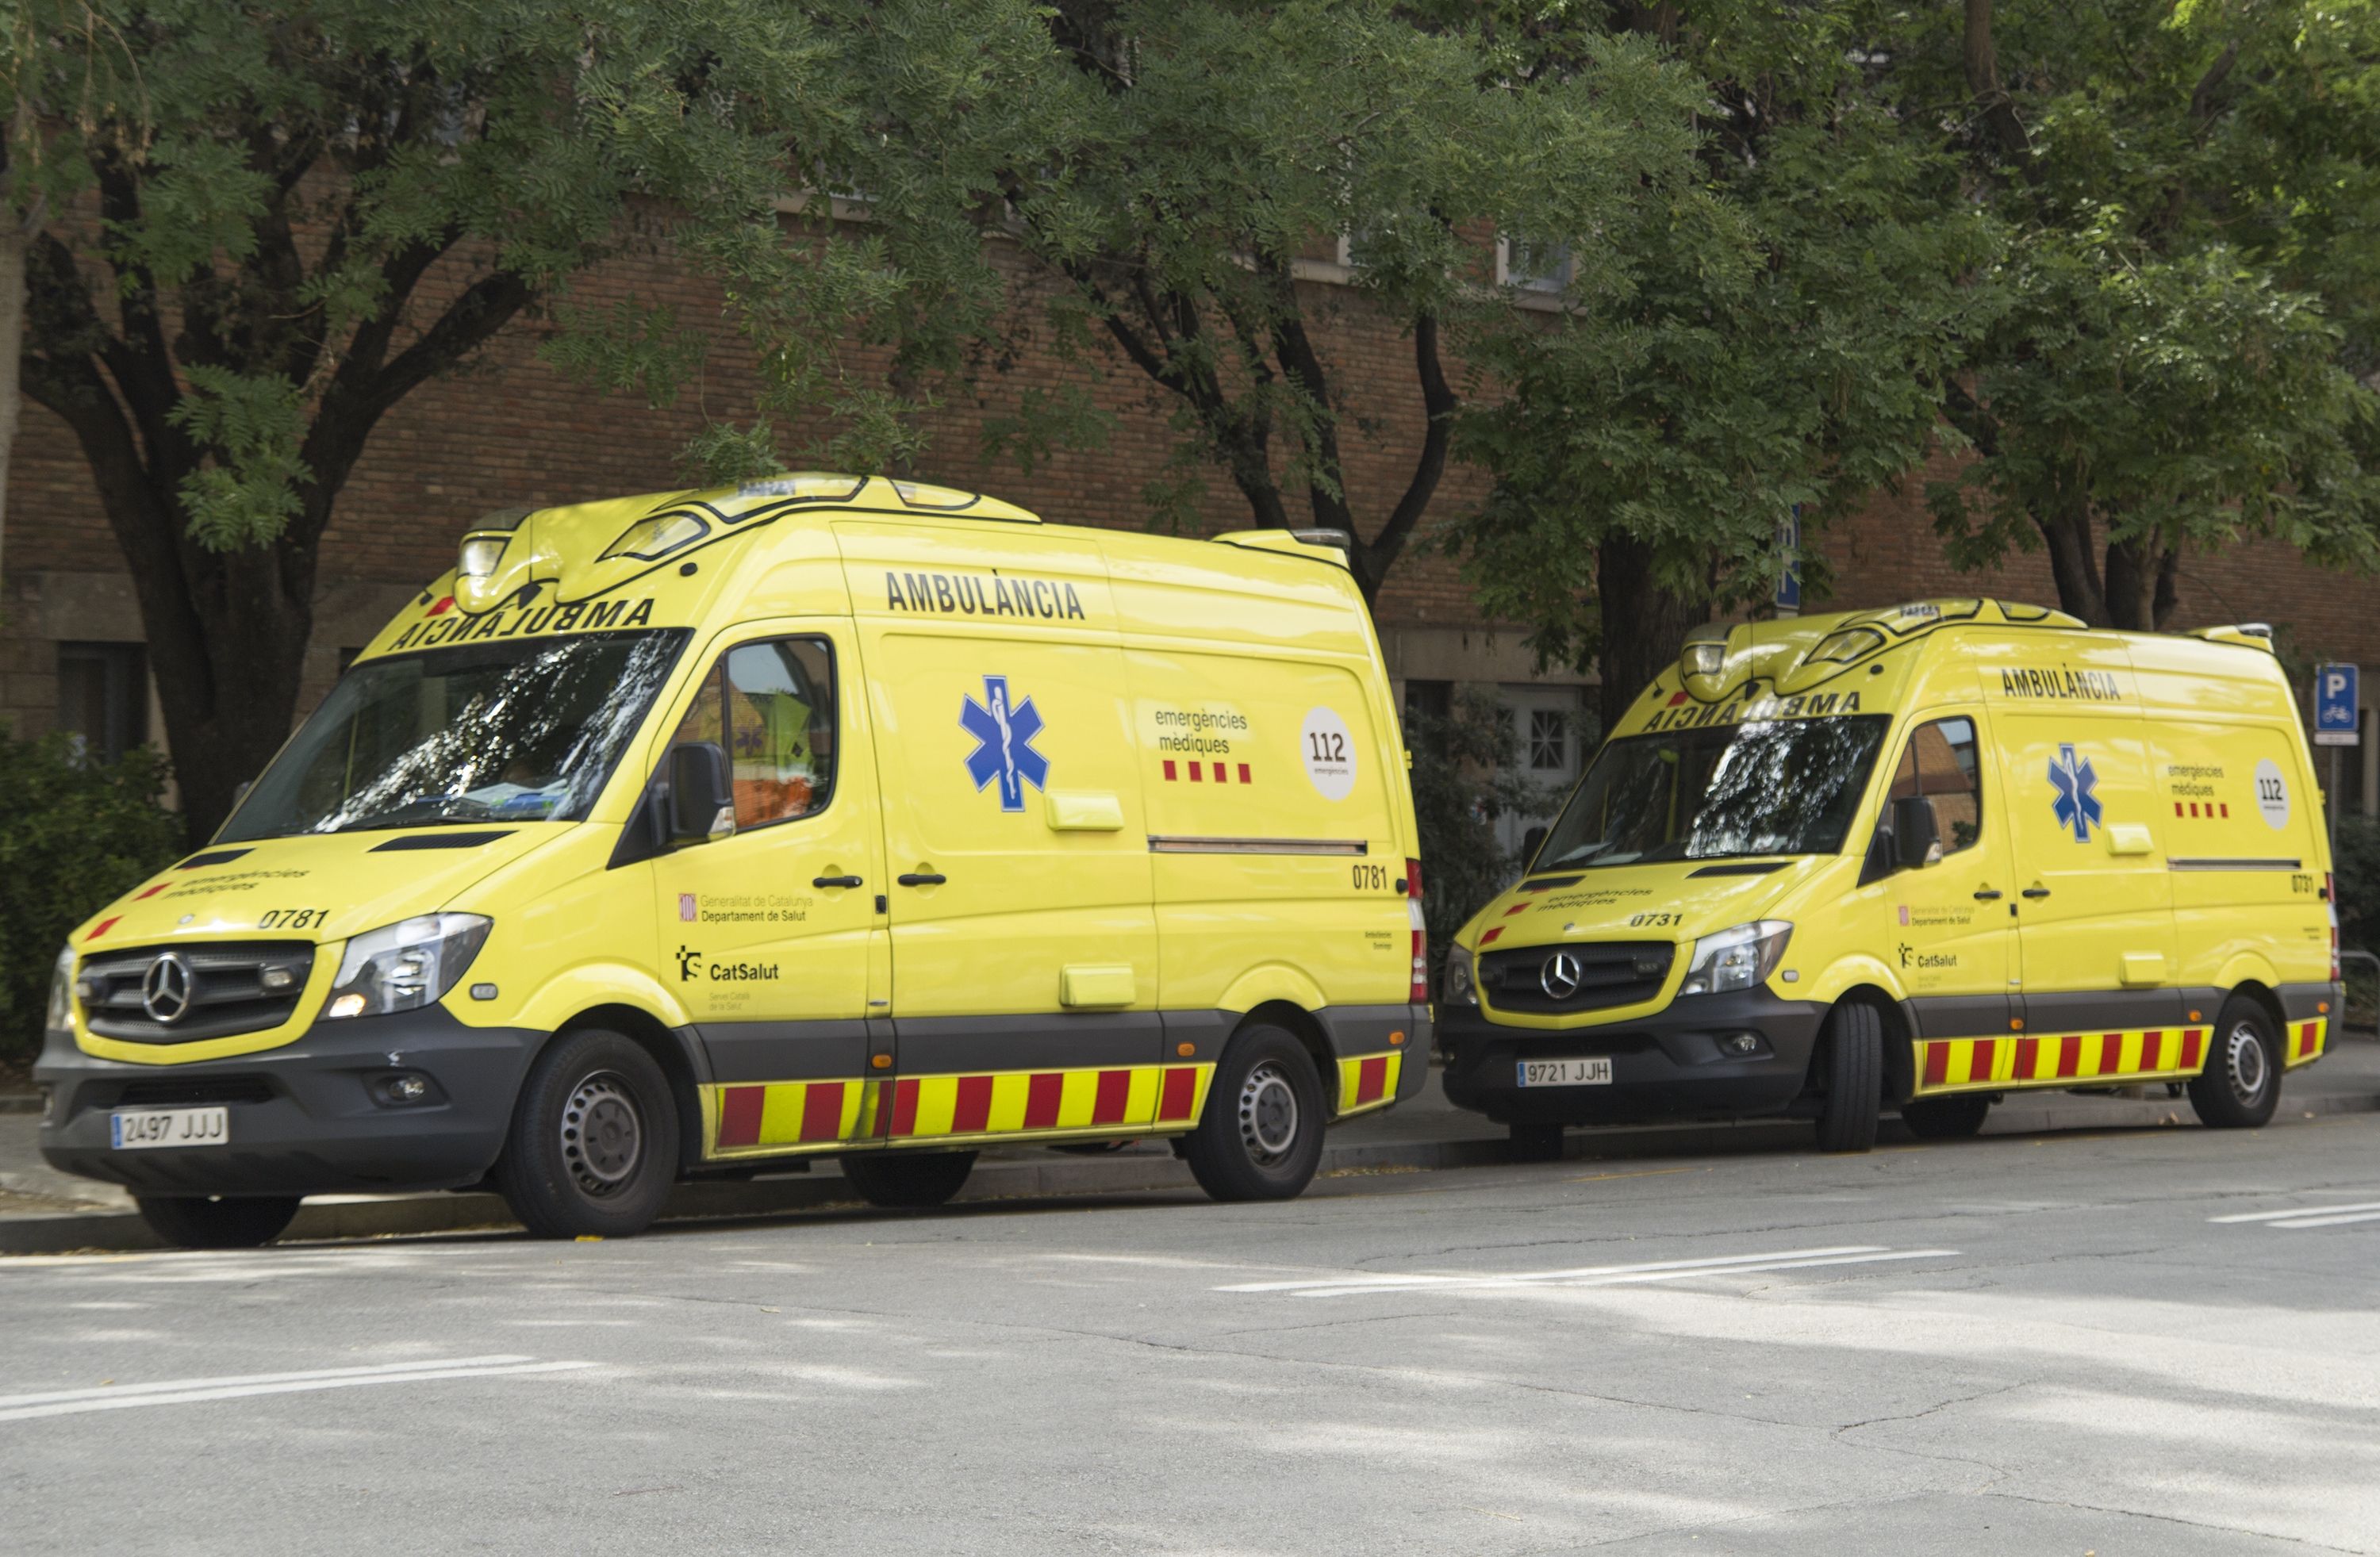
1854 1073
233 1221
1260 1138
1537 1143
1946 1119
2241 1083
907 1180
594 1141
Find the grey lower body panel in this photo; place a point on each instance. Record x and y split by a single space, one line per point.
305 1118
1665 1066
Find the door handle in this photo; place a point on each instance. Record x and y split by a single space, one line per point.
835 881
1988 895
2036 891
921 878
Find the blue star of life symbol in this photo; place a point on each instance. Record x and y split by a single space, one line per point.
1003 735
2077 806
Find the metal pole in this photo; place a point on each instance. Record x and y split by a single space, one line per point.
2331 806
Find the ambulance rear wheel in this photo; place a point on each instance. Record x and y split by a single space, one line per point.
2241 1083
1946 1119
1852 1068
241 1222
1260 1138
593 1149
907 1180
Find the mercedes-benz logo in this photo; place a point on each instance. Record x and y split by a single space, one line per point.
166 988
1560 975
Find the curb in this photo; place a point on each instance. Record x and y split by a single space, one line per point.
366 1216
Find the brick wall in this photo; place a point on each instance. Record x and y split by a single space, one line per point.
514 432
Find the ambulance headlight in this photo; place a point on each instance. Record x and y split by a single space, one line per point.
406 966
1460 988
62 991
1737 958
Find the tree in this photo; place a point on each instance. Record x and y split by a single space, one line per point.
1203 153
2184 310
1774 338
342 200
60 74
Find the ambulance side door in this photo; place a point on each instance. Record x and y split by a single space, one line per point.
2094 897
770 936
1951 936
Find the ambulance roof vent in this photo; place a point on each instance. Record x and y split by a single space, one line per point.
2246 635
1322 545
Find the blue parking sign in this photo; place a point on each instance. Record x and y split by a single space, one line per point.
2335 704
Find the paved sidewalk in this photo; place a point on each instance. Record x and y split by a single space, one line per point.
45 1212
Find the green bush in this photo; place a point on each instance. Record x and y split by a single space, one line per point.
1465 775
2355 867
77 834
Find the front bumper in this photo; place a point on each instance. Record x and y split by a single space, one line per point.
1663 1065
306 1118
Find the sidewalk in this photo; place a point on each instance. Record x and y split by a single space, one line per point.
43 1211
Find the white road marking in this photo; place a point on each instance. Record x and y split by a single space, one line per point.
1600 1275
2308 1216
183 1391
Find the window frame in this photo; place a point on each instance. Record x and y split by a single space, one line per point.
826 792
1909 756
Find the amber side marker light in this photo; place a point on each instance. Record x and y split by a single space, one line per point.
882 1062
1185 1050
2193 1015
1396 1040
2016 1024
2322 1008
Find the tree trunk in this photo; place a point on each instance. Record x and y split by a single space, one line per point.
13 240
2142 574
2073 566
1645 626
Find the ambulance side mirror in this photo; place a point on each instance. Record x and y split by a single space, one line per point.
702 806
1531 841
1916 836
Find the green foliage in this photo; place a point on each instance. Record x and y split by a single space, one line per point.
1465 775
79 834
2183 319
2355 867
249 495
1775 336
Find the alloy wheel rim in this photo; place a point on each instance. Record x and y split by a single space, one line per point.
1267 1115
2244 1056
602 1134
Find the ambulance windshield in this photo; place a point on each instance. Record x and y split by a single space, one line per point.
1774 787
519 732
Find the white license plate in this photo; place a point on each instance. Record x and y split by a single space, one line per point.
140 1129
1595 1072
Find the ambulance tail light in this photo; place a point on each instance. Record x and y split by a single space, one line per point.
1419 993
2330 906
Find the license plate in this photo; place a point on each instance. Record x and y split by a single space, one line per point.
1595 1072
140 1129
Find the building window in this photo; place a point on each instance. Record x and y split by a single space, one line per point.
1535 265
1429 705
104 698
1548 741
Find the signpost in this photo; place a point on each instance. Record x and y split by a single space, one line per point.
2336 722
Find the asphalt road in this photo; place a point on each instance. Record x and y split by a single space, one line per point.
2153 1341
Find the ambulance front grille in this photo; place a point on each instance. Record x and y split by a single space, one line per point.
1608 975
226 990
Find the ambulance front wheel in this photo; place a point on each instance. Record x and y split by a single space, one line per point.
907 1180
2241 1083
1851 1070
593 1149
1260 1138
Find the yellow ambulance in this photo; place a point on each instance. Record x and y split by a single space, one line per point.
1918 859
692 834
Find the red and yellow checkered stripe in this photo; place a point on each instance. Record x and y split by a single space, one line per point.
774 1119
1946 1065
1368 1081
